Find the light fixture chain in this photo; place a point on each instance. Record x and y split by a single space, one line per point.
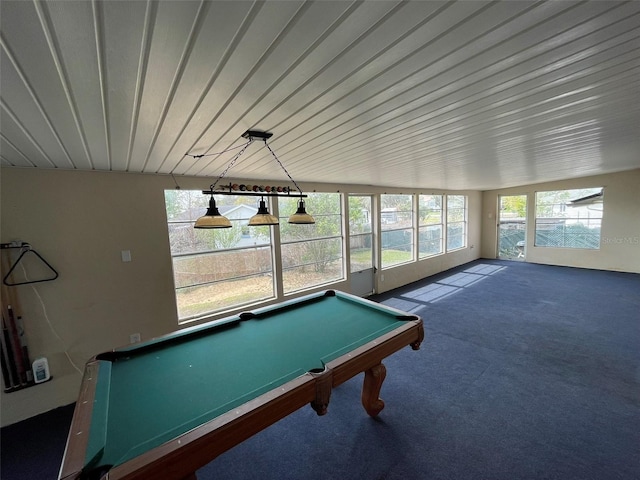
233 160
282 166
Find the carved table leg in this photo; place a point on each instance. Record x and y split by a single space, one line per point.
373 379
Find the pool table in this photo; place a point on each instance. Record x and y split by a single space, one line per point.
167 407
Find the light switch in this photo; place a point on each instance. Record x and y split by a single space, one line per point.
126 255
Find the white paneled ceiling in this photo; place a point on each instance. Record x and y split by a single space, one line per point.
425 94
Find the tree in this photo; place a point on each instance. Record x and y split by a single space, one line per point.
514 204
359 215
172 203
220 238
554 203
397 210
430 209
401 202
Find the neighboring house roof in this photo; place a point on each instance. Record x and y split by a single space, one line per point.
234 212
238 211
595 198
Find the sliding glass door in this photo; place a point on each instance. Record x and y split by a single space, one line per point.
361 245
512 223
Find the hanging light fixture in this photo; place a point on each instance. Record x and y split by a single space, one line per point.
213 219
263 217
301 216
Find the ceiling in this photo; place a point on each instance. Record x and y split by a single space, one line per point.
423 94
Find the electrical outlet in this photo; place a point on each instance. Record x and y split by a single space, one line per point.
382 277
134 338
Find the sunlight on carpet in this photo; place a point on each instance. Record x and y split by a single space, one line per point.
442 288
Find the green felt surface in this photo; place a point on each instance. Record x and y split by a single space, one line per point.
158 394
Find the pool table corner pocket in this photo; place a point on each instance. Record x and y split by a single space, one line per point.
416 345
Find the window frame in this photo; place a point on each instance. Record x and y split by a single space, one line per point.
408 227
366 236
213 255
463 222
425 226
286 206
562 218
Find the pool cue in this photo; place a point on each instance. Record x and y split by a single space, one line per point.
5 369
9 299
25 349
17 348
8 366
8 354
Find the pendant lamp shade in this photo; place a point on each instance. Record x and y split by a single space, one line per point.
263 217
301 216
212 219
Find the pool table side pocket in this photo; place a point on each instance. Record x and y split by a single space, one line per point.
416 344
324 385
296 303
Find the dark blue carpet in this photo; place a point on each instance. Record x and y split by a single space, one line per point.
526 372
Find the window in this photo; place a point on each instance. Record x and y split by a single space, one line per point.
311 254
360 236
569 218
396 237
429 225
456 222
217 269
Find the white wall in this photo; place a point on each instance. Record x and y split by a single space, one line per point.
620 234
80 222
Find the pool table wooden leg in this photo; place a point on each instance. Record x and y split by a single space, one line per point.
191 476
373 379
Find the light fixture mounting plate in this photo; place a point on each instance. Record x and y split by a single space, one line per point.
257 134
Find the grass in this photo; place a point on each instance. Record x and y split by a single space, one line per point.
389 257
216 297
393 257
